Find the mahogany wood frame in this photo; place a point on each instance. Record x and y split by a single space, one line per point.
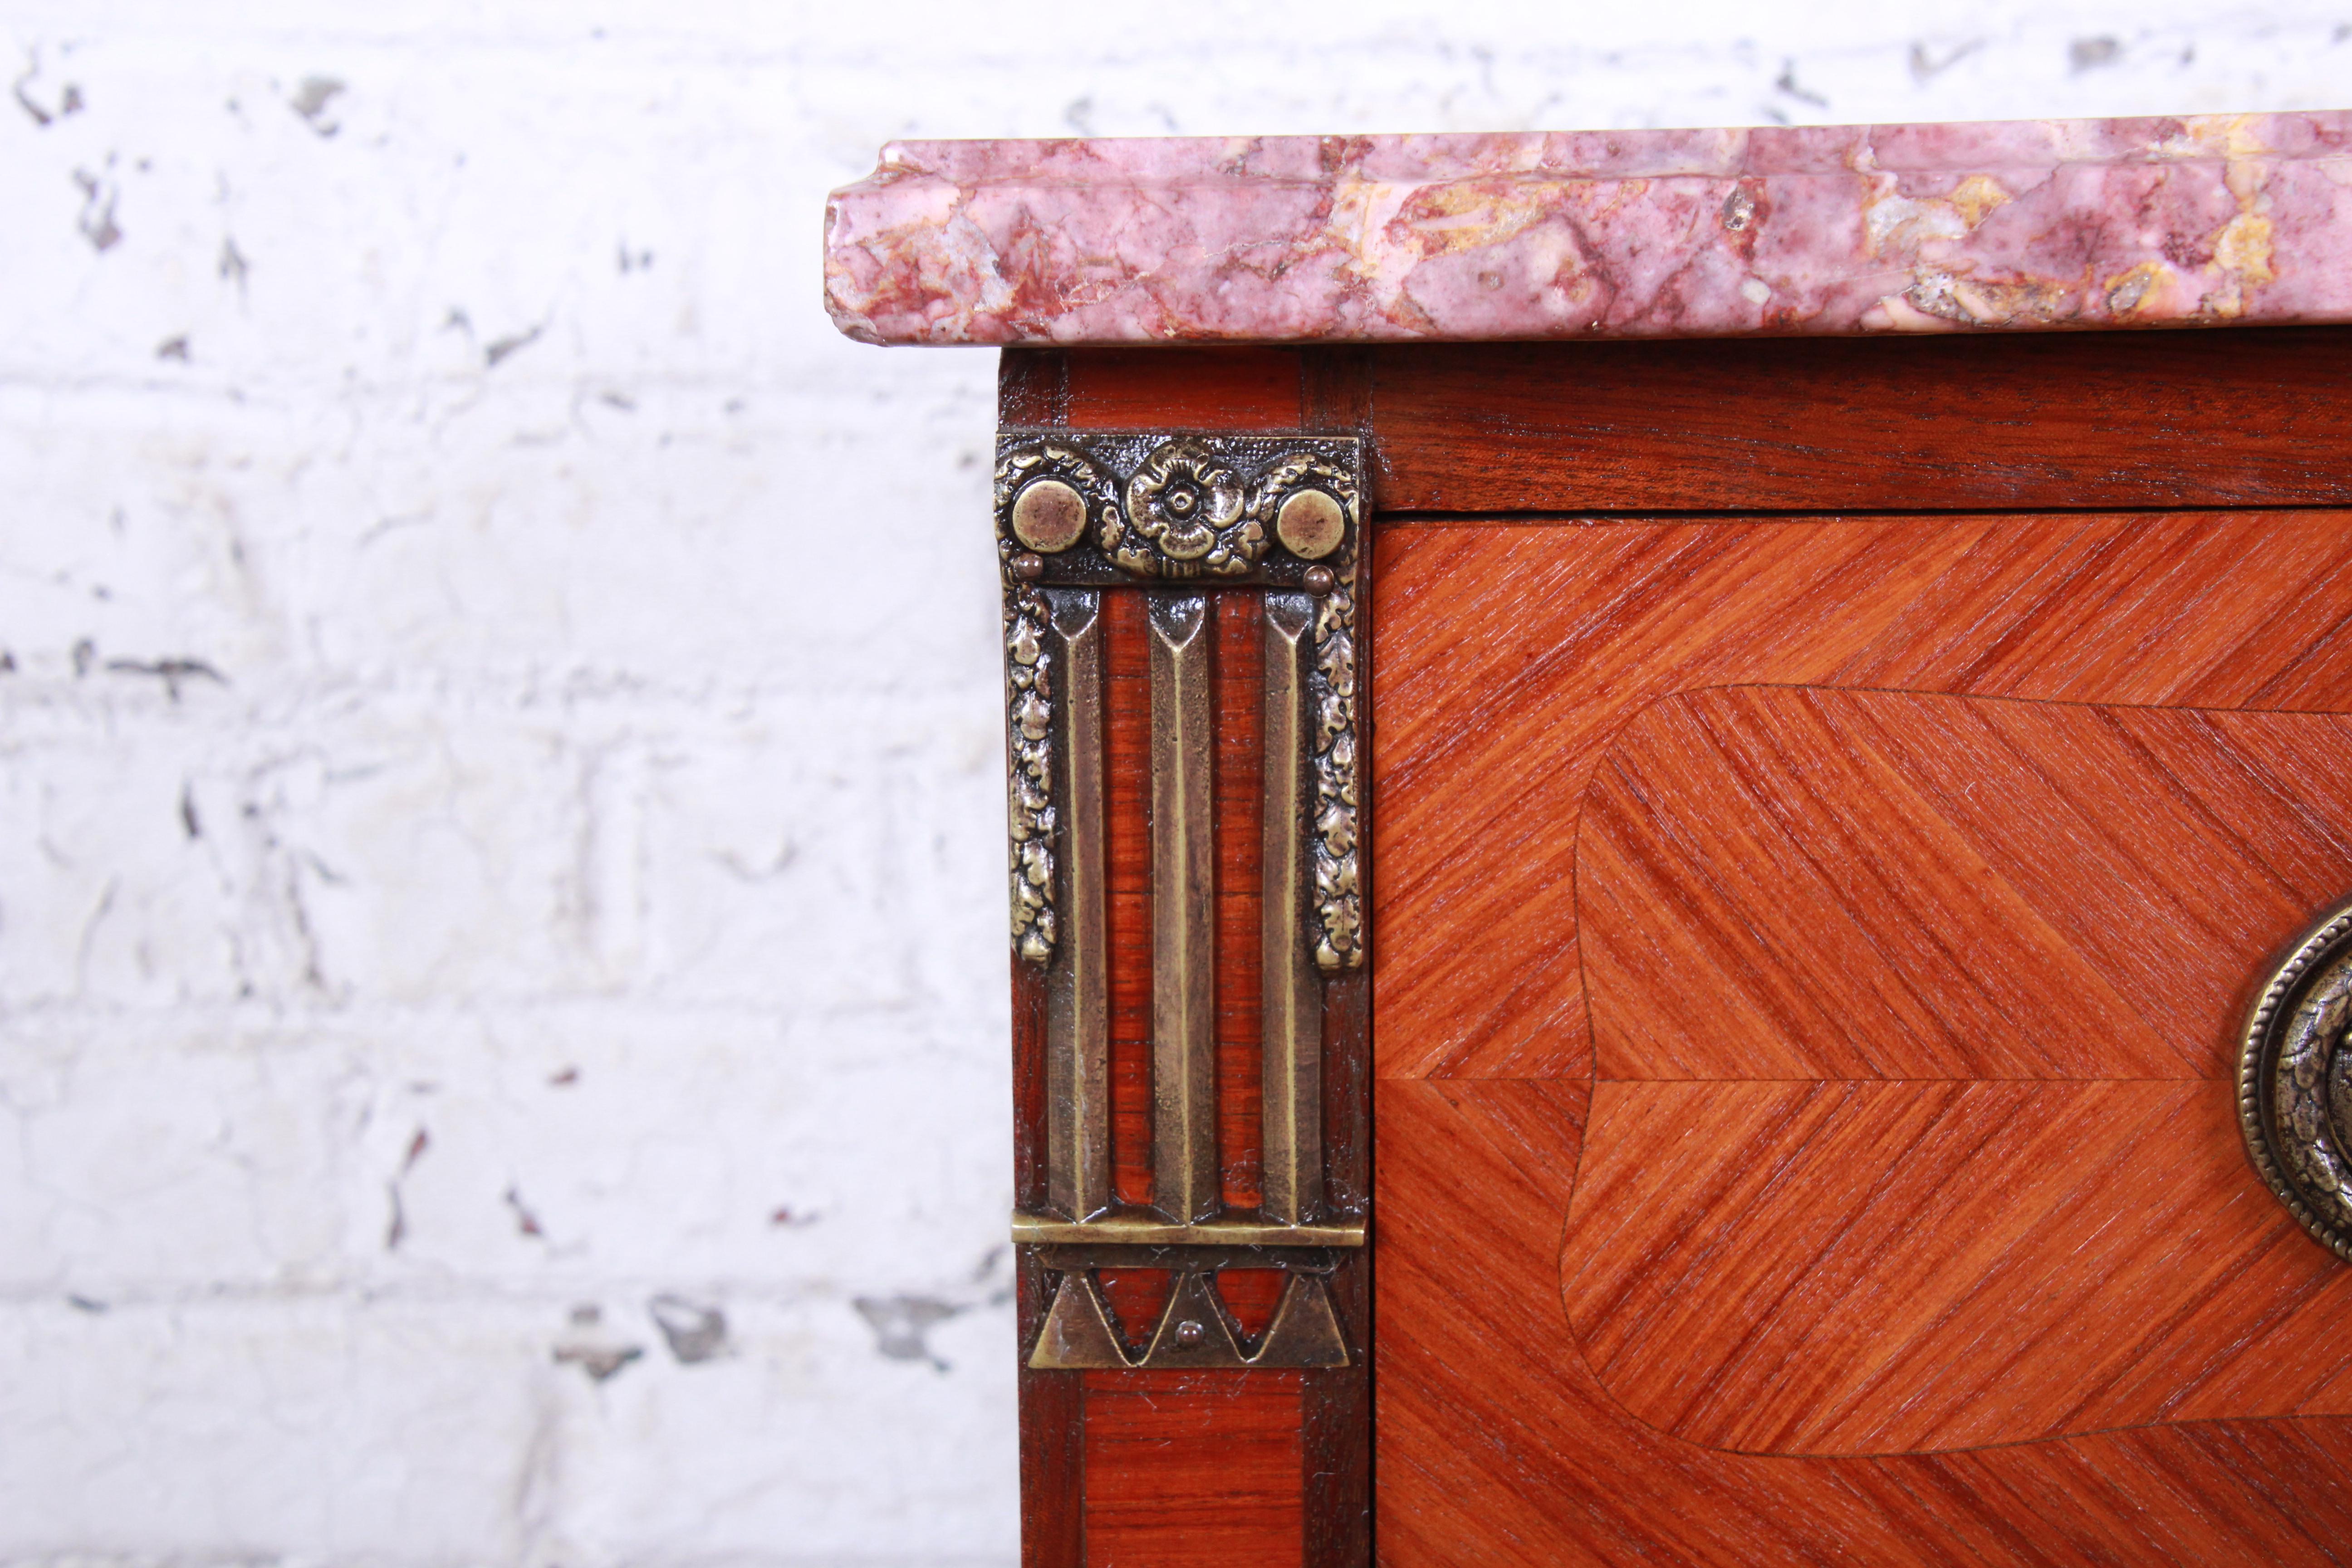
1552 435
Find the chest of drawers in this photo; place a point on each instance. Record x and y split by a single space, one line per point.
1641 949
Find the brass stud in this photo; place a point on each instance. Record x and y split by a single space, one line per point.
1049 516
1190 1333
1320 581
1310 525
1028 568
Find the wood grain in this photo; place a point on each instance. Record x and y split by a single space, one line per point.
1136 1297
1499 1444
2094 420
1889 1268
1250 1295
1029 1174
1509 661
1785 883
1509 656
1791 883
1032 389
1183 389
1053 1440
1192 1470
1127 809
1924 804
1335 389
1335 1421
1238 702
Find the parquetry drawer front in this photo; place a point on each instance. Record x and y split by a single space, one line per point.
1914 1025
1880 902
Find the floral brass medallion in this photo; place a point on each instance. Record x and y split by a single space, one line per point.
1188 503
2294 1082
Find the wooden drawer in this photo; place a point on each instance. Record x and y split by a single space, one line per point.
1815 956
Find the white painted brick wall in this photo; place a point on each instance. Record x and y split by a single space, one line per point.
498 799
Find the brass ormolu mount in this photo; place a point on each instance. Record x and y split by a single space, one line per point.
2294 1081
1078 515
1195 1329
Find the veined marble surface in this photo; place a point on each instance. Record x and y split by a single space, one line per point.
2018 225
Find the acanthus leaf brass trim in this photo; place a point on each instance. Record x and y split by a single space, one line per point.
1339 897
1029 752
1132 533
1186 514
1029 682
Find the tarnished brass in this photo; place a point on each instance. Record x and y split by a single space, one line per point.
1187 514
1305 1330
1077 1334
1310 524
1339 897
1168 515
1049 516
1170 506
2294 1081
1195 1330
1138 1227
1058 1256
1291 1020
1155 506
1077 991
1029 768
1183 903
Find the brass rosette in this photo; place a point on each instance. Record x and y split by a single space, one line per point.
1185 515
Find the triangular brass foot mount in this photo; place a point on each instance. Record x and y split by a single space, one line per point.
1195 1330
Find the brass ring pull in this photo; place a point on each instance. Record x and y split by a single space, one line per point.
2294 1082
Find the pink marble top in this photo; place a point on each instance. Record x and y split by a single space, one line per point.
2018 225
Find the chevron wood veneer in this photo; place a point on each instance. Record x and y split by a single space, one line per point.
1888 1268
1964 895
1883 895
1777 882
1511 656
1500 1446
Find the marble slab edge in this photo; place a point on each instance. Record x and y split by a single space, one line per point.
2015 225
